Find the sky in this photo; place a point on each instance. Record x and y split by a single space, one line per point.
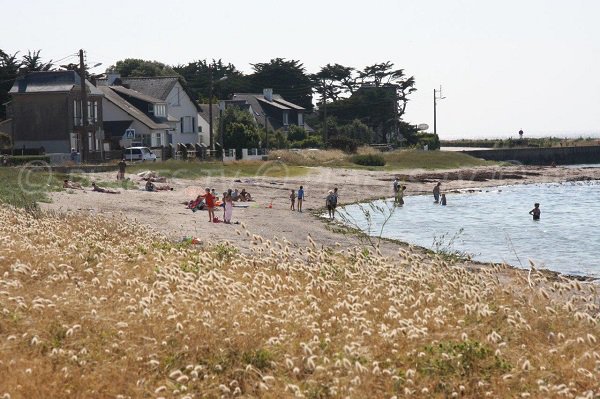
503 65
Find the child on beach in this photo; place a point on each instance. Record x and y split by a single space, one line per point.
300 198
292 200
443 199
228 209
536 212
209 201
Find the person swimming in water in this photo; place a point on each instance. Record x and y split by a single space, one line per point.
536 212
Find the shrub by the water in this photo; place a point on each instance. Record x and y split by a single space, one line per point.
369 160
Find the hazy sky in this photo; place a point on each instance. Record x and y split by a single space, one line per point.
503 65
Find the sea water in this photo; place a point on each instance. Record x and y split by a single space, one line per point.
494 225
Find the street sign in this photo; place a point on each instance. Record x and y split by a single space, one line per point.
130 134
423 126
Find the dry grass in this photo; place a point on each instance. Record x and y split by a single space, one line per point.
98 308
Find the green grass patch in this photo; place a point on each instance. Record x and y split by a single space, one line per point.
23 187
197 169
414 159
368 160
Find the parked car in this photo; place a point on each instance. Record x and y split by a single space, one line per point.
139 154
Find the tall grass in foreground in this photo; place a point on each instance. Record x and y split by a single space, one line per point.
97 308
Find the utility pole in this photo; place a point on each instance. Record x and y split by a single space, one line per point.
324 114
435 98
210 111
84 111
266 134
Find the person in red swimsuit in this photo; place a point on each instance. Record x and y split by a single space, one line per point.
209 200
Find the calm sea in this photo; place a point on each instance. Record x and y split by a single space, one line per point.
494 225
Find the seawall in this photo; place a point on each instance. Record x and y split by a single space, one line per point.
541 156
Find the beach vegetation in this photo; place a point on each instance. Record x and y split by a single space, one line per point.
102 308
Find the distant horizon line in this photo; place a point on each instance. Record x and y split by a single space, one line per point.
591 134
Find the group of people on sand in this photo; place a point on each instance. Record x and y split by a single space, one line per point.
208 201
296 196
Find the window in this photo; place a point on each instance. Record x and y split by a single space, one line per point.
193 125
157 140
300 119
285 118
160 110
187 124
181 124
92 111
150 108
77 113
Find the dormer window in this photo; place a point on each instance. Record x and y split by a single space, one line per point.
160 110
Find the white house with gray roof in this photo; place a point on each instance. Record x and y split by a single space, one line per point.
183 111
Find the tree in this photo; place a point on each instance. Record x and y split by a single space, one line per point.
333 80
357 131
136 67
286 77
226 79
296 133
33 62
239 130
9 68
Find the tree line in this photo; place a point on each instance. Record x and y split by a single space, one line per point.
362 105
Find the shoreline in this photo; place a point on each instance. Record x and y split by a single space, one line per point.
165 213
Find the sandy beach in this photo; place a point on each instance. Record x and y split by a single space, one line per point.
269 216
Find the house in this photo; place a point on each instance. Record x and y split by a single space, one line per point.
181 107
128 111
270 110
204 124
46 110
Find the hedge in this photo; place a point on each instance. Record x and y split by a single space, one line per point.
369 160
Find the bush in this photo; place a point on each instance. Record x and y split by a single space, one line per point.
343 143
431 140
24 159
309 142
369 160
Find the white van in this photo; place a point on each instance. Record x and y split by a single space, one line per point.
138 154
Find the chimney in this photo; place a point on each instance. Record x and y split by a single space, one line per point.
268 94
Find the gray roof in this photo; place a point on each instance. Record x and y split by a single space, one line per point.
203 112
256 102
132 111
50 82
136 94
157 87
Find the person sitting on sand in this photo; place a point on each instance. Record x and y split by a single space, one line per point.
245 195
536 212
154 187
197 204
72 185
235 195
103 190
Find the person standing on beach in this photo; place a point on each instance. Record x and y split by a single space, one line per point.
436 193
331 202
122 166
293 200
396 186
536 212
300 198
228 209
209 201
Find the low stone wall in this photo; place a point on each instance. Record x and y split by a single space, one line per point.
541 156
